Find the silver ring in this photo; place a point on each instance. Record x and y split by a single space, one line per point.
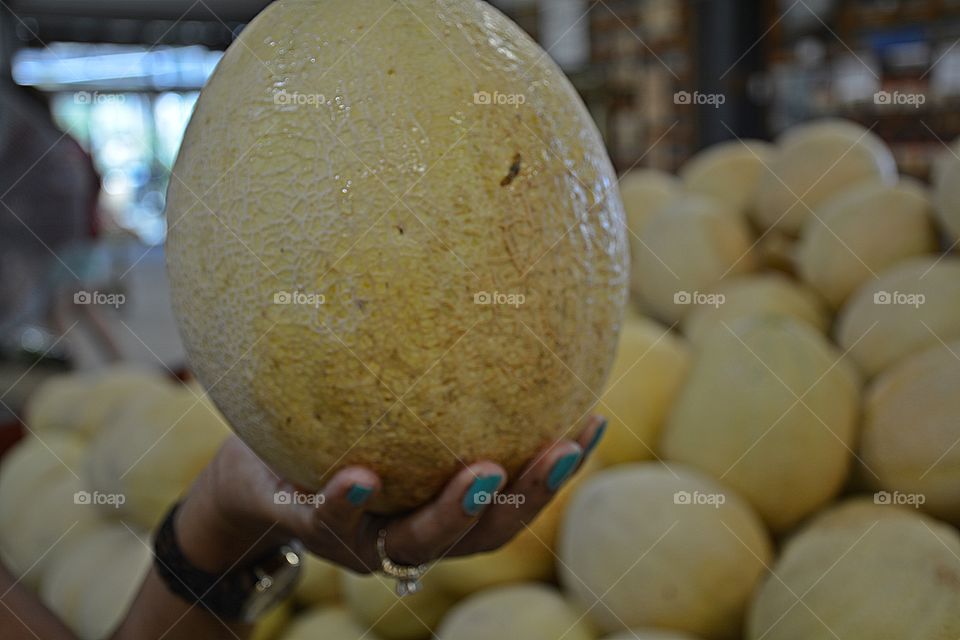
407 577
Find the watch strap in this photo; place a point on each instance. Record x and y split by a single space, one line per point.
225 594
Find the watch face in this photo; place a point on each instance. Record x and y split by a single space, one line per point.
272 584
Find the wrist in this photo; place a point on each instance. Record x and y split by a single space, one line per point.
215 538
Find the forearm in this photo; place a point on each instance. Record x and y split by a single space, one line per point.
23 617
157 613
210 544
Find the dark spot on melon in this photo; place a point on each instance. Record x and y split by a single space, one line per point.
513 172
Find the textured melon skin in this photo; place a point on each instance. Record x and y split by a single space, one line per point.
399 370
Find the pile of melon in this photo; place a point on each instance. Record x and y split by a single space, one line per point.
782 460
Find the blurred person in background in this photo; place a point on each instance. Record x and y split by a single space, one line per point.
48 201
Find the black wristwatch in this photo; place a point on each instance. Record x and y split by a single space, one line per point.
239 595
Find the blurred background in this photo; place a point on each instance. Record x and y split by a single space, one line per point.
95 96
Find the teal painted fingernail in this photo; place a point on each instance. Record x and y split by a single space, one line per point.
562 469
597 436
358 494
480 494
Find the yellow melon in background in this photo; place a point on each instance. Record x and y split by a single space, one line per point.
946 189
272 624
92 584
770 408
152 452
650 365
371 232
689 245
729 171
814 161
643 192
862 231
373 601
529 557
911 306
27 468
648 544
528 611
331 623
53 516
81 403
863 572
911 431
319 582
754 294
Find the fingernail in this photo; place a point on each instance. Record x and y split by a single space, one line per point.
597 437
358 494
562 469
480 494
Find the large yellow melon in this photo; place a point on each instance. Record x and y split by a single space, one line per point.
152 451
654 545
410 251
650 365
81 403
319 582
911 430
374 602
96 578
768 293
331 623
770 408
910 306
529 557
863 572
729 171
946 189
689 245
860 232
643 192
813 162
529 611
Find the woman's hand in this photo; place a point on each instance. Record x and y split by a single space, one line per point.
231 512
